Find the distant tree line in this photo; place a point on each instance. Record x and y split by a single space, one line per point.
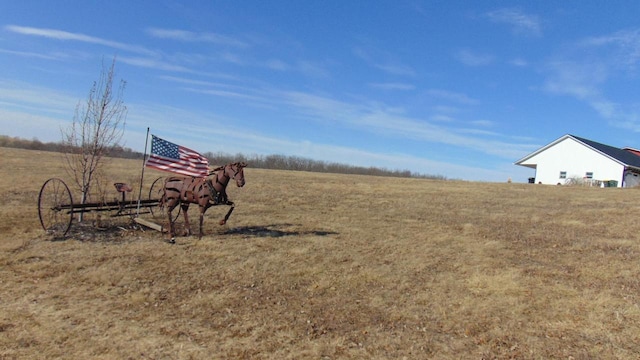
35 144
297 163
274 162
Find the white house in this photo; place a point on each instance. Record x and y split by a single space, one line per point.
574 159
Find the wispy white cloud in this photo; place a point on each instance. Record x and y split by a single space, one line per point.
393 86
29 111
186 58
153 63
623 47
28 125
576 78
233 58
441 118
470 58
384 61
276 64
483 123
475 131
452 96
305 67
520 22
190 36
379 121
56 56
226 94
519 62
627 39
446 109
19 95
585 71
584 81
69 36
228 88
395 69
188 81
237 58
312 69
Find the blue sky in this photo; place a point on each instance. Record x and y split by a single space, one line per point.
461 89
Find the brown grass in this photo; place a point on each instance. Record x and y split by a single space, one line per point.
329 266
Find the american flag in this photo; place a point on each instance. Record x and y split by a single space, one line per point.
178 159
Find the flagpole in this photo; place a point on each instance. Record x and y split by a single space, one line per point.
144 159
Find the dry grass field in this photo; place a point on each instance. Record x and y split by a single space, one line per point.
322 266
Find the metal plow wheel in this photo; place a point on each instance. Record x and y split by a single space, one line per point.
55 207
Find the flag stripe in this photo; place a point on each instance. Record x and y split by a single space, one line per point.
167 156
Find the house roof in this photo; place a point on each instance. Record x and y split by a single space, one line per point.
623 156
626 157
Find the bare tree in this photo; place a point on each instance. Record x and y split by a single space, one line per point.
98 125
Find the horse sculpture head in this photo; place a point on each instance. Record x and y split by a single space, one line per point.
236 171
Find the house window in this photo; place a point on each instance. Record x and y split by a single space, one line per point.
563 174
589 175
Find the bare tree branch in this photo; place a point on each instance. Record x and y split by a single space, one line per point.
98 125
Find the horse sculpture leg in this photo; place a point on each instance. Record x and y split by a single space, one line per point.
172 230
185 208
226 217
201 221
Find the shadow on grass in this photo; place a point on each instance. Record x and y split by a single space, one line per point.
119 233
273 231
109 232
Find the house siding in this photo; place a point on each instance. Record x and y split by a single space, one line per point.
576 159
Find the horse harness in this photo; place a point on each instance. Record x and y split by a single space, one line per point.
219 197
216 196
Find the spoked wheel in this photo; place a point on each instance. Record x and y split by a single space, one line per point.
55 207
156 192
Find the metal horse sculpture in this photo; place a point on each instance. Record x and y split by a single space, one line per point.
205 192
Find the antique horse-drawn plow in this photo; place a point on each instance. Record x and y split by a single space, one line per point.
56 209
